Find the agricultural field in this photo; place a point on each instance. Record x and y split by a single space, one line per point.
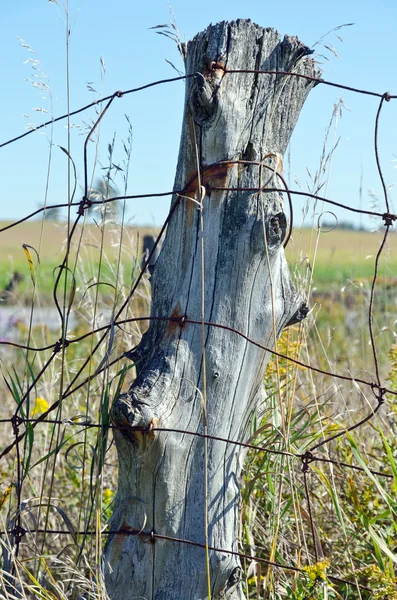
93 246
342 257
337 258
334 259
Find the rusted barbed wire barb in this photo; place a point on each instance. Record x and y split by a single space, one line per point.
183 320
16 421
307 458
152 536
144 428
84 203
389 219
61 343
18 532
379 393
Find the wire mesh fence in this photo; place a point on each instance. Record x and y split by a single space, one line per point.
22 425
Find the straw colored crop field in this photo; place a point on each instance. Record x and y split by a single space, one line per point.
91 243
49 239
335 256
342 256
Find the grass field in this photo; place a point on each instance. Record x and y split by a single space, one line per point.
68 484
342 256
335 259
90 244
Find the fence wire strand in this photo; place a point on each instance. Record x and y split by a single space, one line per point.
308 457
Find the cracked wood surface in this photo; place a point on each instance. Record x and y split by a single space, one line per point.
233 117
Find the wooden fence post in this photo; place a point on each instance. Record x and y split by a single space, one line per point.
236 126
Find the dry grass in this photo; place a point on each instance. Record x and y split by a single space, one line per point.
52 244
90 244
341 255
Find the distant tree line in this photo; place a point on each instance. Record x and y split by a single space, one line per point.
102 190
343 225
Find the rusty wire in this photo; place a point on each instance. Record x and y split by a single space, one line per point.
387 96
308 457
153 536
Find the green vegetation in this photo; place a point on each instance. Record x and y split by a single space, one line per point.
344 528
91 247
341 259
349 521
69 471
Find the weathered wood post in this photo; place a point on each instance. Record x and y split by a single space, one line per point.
228 117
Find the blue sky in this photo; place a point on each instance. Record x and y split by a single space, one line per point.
134 55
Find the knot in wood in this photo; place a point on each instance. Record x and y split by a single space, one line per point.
276 229
235 577
203 98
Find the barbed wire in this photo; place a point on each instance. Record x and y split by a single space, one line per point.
120 94
306 458
152 535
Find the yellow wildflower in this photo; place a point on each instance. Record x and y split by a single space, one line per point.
317 572
40 406
108 495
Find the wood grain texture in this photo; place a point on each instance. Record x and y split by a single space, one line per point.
247 286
